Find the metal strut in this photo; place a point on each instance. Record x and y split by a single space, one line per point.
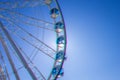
5 66
9 58
18 52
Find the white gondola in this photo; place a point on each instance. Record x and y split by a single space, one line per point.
48 2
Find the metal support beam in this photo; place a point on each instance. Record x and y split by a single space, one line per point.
18 52
4 66
9 58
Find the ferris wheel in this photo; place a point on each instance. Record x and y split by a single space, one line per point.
32 40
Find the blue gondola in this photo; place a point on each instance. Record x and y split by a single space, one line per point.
54 12
61 73
61 40
59 27
59 56
56 70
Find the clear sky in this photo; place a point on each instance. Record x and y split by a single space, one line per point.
93 31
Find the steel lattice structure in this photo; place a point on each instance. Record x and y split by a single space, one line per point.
32 40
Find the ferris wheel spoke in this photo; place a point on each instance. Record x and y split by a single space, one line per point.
13 20
34 55
38 40
9 58
43 49
26 3
26 16
18 52
31 35
21 67
31 62
4 64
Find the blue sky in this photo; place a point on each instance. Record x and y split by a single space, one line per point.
93 35
93 31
